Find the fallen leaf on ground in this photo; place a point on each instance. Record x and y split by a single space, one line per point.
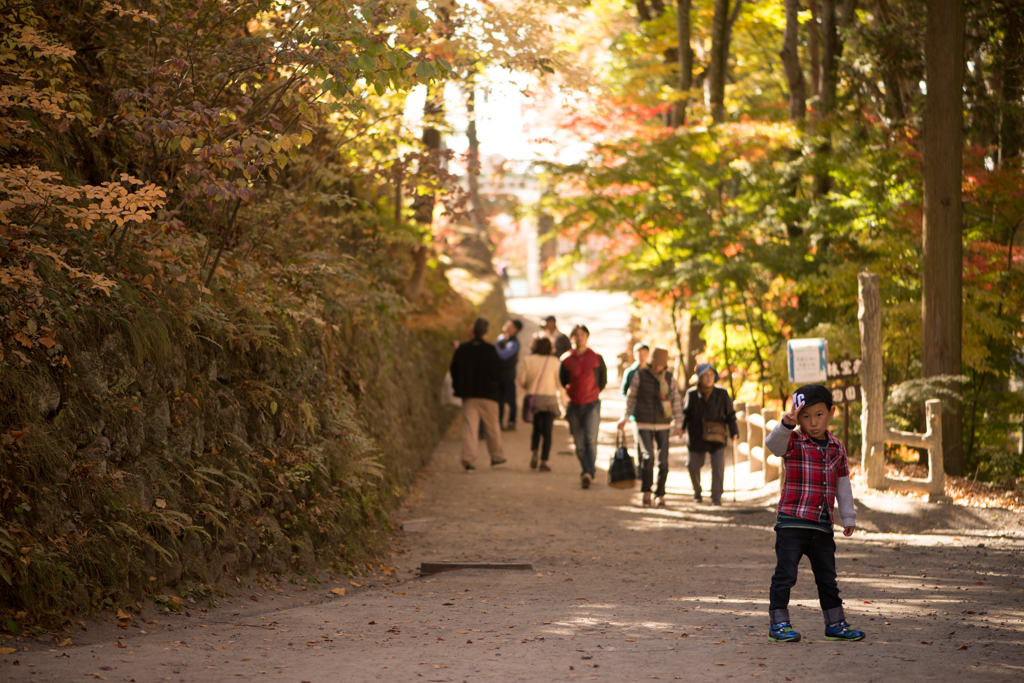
338 591
66 643
12 650
121 614
118 643
353 583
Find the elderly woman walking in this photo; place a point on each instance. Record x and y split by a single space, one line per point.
538 376
653 400
710 421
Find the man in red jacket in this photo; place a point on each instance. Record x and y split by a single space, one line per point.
584 375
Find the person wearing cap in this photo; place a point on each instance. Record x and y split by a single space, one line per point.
653 402
710 421
817 476
559 341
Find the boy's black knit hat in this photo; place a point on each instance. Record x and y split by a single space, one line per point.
810 394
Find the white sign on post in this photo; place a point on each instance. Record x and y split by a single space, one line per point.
808 360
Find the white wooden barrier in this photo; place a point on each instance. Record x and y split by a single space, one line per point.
754 425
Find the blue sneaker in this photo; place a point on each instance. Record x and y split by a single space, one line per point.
784 633
843 631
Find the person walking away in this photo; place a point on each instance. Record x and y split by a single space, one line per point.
538 377
817 475
559 341
476 370
641 352
710 421
653 402
584 374
508 352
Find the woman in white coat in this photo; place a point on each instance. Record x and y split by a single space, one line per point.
538 376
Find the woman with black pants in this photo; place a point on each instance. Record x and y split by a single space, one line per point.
538 377
710 422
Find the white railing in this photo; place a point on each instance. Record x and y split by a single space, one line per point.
754 425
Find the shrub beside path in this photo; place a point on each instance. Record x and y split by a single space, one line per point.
617 592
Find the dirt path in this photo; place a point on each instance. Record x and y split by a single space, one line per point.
617 592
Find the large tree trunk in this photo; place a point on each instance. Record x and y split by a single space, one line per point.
685 54
814 49
1011 122
423 203
942 272
890 70
719 60
830 51
473 164
791 62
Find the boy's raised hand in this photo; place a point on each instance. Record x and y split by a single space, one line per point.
790 418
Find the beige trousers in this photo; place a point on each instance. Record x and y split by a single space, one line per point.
474 411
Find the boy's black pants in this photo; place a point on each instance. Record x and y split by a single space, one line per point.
820 549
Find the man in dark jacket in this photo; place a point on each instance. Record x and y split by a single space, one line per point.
584 374
508 353
707 414
476 370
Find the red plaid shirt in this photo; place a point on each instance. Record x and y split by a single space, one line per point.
811 475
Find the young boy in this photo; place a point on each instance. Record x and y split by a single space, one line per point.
816 475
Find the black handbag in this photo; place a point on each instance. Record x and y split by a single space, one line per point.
622 470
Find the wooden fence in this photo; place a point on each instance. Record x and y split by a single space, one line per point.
754 425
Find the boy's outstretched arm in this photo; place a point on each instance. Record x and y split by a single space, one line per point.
847 511
778 441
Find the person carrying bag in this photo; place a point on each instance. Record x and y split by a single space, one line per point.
541 407
710 422
653 400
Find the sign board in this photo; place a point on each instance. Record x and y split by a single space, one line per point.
841 395
808 360
846 368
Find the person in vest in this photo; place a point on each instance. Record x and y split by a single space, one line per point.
508 352
476 370
584 374
707 415
653 402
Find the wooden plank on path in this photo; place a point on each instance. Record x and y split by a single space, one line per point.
438 567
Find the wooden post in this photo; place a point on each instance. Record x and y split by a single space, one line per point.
772 469
755 438
872 420
742 427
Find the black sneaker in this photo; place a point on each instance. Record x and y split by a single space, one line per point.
698 499
499 462
469 468
585 480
